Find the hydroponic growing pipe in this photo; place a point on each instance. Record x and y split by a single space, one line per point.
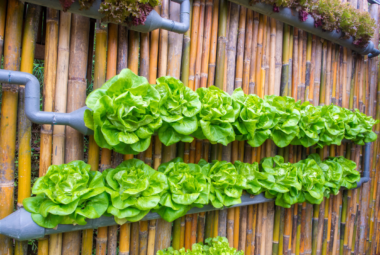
153 21
32 103
291 17
20 226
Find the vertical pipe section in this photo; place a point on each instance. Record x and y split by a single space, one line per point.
24 124
9 116
76 95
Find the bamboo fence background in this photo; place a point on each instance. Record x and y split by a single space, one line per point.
227 45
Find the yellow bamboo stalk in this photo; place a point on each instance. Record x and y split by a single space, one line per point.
194 43
214 40
76 92
24 124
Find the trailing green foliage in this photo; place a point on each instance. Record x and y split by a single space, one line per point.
126 111
332 15
214 246
70 193
67 194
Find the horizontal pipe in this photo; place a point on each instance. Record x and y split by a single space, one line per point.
20 226
32 103
153 20
291 17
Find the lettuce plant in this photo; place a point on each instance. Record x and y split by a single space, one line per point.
135 189
312 180
282 181
178 108
124 113
350 176
214 246
311 123
257 118
67 194
219 111
226 183
189 186
286 116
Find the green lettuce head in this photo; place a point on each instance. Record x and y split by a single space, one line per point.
333 132
333 173
257 118
67 194
287 116
282 181
135 189
359 127
188 187
124 113
179 106
254 178
350 176
226 183
313 180
219 111
311 123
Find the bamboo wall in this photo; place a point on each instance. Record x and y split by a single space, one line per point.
228 46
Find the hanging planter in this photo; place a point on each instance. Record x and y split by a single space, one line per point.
308 24
98 10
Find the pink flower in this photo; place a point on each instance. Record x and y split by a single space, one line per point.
275 8
303 15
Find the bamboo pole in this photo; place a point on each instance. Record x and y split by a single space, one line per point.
199 47
24 124
214 43
76 92
55 240
193 43
206 43
51 53
153 56
122 48
105 234
222 42
93 153
240 48
3 11
231 61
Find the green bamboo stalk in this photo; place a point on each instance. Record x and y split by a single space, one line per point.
222 42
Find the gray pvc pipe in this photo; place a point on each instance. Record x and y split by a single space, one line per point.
291 17
32 103
366 165
20 226
153 21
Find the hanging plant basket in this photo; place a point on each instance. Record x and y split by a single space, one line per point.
291 17
153 20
